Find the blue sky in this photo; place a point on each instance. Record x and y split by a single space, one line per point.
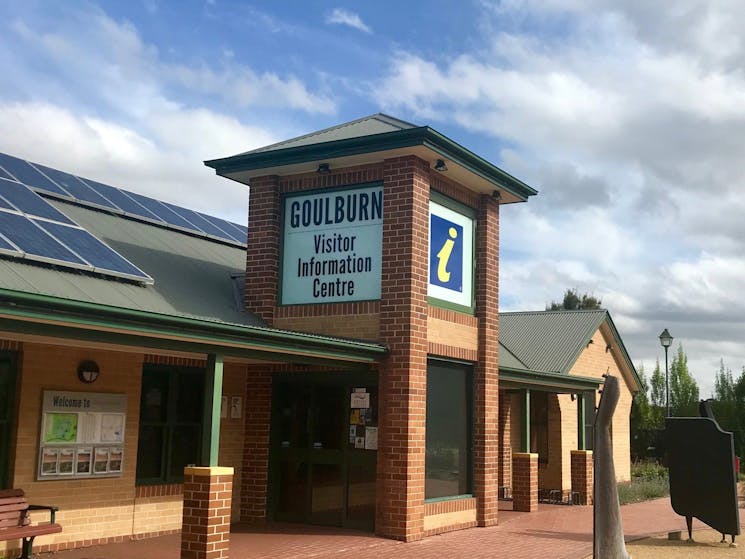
627 116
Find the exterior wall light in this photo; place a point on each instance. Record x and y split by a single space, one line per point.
88 372
440 166
323 169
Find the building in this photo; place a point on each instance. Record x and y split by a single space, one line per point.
343 367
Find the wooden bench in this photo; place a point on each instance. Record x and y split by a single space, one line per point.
15 522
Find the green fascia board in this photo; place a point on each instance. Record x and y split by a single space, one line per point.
210 337
537 380
423 135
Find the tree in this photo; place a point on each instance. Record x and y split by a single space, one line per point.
641 422
574 302
657 396
683 387
724 405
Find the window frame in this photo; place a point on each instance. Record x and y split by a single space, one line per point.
171 423
468 369
8 423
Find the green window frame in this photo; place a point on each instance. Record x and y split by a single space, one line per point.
448 462
170 429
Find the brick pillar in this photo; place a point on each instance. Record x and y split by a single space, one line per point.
505 442
486 394
262 253
525 481
403 328
256 445
205 533
582 473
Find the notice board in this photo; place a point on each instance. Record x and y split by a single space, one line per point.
82 435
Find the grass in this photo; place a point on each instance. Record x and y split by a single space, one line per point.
648 481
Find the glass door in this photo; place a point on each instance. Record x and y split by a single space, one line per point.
321 472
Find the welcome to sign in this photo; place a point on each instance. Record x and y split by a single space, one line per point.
332 246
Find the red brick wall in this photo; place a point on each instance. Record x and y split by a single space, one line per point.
486 401
582 472
256 444
403 327
525 482
207 500
262 254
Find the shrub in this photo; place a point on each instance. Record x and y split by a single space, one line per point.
648 481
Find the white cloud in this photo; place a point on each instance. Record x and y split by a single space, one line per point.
166 163
131 76
628 118
341 16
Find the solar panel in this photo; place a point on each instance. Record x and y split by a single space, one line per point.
122 200
230 233
75 186
36 243
24 172
195 218
98 254
7 248
243 229
28 201
90 192
231 229
163 212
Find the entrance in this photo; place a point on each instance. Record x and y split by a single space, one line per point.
7 413
323 449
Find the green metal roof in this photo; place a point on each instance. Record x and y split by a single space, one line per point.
548 340
367 140
365 126
551 341
192 275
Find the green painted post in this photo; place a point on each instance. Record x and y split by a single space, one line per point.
581 434
526 421
211 417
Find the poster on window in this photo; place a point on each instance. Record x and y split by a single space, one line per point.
82 434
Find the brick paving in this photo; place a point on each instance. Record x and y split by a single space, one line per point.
554 532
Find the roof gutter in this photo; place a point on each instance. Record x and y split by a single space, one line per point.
84 315
411 137
539 380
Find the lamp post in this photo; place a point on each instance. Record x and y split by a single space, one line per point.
666 340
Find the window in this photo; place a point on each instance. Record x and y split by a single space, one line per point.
589 419
539 425
170 437
448 457
7 413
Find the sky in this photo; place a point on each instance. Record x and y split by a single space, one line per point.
628 117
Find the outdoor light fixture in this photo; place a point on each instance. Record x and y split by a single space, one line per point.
440 166
496 195
666 340
323 169
88 371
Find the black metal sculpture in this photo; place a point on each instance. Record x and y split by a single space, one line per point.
701 462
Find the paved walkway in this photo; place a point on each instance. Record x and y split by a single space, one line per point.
554 532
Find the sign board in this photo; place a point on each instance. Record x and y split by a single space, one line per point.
450 255
82 435
332 245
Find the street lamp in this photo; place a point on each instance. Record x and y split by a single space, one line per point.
666 340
